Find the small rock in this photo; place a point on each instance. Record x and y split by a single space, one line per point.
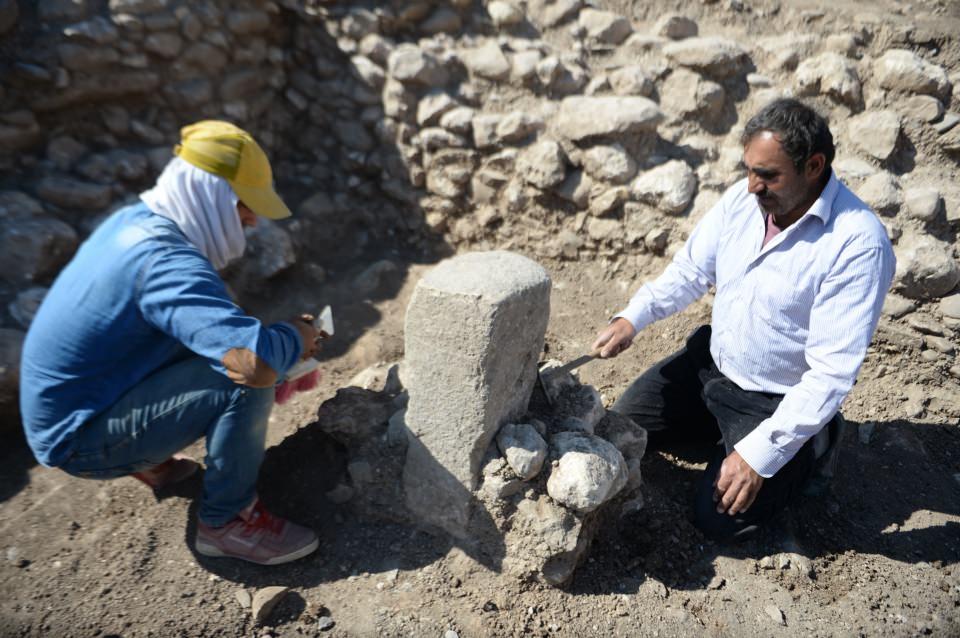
717 582
24 308
940 344
73 194
670 186
609 163
776 614
487 61
895 306
524 449
923 204
926 268
265 600
829 74
517 126
902 70
767 562
950 306
442 20
685 93
876 132
631 80
589 471
325 623
243 598
605 26
409 63
504 14
925 325
675 27
881 191
582 117
451 634
925 108
713 56
542 164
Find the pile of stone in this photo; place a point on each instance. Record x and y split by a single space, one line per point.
522 483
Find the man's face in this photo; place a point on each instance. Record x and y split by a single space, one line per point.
780 190
248 218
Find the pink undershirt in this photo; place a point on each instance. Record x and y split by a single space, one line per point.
772 231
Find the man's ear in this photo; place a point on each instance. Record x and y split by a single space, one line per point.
815 165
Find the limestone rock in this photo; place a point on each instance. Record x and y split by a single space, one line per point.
881 191
523 65
550 13
24 308
829 74
442 20
609 163
265 600
925 108
487 61
165 44
686 93
713 56
542 164
408 63
589 471
896 307
631 80
77 57
583 117
950 306
926 268
72 194
876 132
549 537
922 203
629 438
35 248
247 22
458 120
560 77
468 374
523 448
14 205
241 83
675 27
504 14
605 26
670 186
269 252
11 346
57 10
65 151
98 30
484 127
368 72
602 229
902 70
517 126
432 107
137 6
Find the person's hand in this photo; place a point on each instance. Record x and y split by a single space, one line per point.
309 335
736 486
615 338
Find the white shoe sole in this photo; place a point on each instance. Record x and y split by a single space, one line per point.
215 552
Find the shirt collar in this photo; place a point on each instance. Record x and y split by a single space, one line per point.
823 206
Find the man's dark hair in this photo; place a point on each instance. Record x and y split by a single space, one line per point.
802 131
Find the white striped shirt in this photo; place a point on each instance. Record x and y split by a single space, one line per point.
793 317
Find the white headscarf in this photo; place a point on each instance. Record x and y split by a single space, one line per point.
204 207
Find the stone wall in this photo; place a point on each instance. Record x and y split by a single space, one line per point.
561 130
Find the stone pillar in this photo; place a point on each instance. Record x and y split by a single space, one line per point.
474 332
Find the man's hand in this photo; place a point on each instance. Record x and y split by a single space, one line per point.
736 486
309 336
616 338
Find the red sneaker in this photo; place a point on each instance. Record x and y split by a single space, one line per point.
173 470
257 536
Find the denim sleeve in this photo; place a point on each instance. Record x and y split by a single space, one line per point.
180 294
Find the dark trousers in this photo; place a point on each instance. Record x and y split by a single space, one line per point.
686 398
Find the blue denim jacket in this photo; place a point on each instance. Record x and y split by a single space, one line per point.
135 294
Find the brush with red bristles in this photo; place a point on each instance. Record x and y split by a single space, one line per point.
305 375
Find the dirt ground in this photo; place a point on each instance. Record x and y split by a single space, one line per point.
877 555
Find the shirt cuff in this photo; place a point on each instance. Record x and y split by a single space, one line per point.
638 316
765 458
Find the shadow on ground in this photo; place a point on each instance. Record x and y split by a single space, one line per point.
889 498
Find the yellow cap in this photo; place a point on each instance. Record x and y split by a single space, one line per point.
226 150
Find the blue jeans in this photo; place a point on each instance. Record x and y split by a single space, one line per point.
168 411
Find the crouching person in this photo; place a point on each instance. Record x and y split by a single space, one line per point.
138 351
